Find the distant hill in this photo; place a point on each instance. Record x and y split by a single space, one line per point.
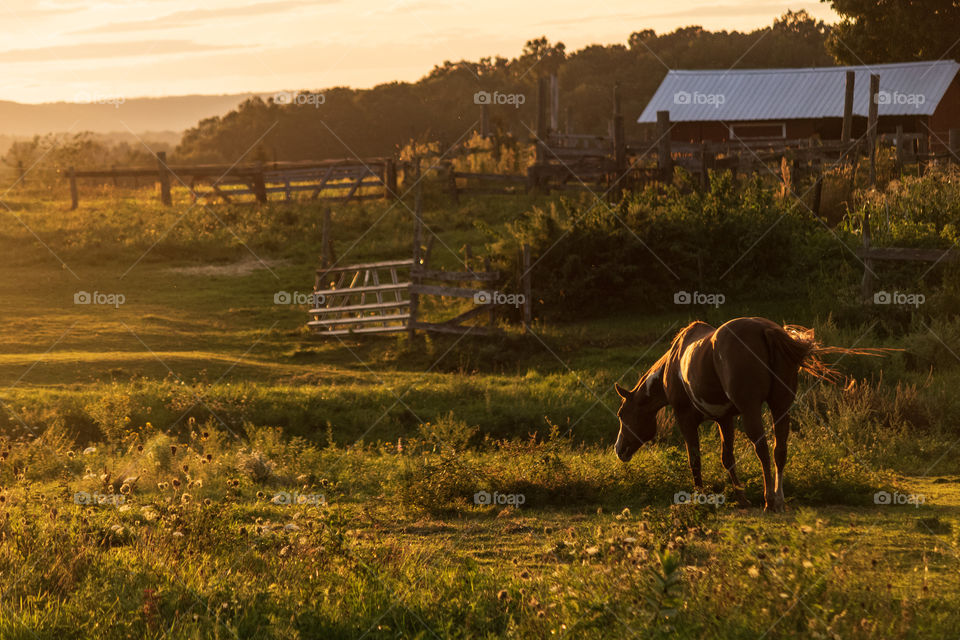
173 113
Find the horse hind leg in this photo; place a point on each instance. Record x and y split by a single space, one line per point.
781 430
727 432
753 427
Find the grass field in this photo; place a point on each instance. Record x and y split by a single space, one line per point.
194 463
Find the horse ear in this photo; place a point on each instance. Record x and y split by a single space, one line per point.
623 393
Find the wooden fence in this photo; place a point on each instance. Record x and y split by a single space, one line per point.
338 180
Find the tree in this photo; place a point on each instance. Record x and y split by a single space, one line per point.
875 31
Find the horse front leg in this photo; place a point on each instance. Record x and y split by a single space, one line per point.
690 428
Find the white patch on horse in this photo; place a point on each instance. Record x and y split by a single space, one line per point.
653 377
712 410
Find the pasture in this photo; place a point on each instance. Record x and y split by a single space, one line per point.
191 461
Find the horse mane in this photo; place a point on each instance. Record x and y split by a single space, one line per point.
662 360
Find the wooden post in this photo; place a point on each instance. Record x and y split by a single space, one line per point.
390 179
163 173
847 132
554 103
484 120
74 194
867 284
900 148
527 289
872 126
817 195
452 183
259 185
619 141
417 242
923 148
326 252
492 313
664 156
953 141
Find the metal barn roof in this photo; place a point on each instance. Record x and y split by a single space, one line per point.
908 88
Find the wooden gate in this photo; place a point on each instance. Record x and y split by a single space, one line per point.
362 298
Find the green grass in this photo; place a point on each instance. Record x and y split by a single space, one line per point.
398 436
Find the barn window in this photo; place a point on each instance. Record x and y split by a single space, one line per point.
758 130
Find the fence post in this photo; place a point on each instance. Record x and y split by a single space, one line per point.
867 284
953 141
847 131
417 241
492 313
817 195
923 149
525 285
326 255
664 157
872 126
163 174
259 185
899 148
390 179
619 140
74 194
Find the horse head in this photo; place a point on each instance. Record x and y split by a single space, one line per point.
638 414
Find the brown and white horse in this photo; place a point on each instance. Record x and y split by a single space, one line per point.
719 374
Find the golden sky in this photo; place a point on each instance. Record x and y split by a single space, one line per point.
56 50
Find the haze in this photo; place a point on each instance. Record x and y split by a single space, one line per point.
70 50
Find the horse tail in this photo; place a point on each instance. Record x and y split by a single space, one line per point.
799 347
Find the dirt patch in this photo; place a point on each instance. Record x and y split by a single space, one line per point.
242 268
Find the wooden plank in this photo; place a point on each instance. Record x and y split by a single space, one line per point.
333 322
457 276
359 290
907 254
368 265
451 292
352 330
373 306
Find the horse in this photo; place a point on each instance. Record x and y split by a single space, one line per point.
718 374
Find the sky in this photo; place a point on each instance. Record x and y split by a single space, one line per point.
80 50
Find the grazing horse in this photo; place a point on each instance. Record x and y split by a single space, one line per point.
719 374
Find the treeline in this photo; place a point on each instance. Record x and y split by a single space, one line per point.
343 122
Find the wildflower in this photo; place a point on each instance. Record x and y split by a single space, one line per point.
186 498
176 483
173 449
207 502
163 486
125 489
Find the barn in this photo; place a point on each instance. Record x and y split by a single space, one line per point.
770 104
